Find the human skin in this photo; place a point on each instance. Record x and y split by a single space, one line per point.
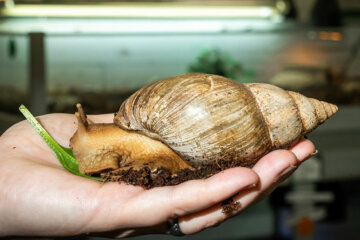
40 198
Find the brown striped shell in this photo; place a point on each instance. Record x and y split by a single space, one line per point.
206 118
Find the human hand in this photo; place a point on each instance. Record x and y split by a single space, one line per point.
38 197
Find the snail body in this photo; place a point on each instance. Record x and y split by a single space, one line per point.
202 120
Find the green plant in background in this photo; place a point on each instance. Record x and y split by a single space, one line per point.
64 155
215 61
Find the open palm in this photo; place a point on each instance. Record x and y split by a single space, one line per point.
38 197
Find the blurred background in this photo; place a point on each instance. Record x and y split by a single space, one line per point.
54 54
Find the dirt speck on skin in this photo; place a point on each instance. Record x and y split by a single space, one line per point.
230 207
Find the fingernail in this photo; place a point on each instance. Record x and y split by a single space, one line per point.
250 186
314 153
287 171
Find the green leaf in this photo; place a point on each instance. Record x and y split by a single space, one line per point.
68 151
64 155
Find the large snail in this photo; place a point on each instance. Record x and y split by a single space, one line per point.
192 126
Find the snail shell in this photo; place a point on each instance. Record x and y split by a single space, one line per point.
194 122
207 118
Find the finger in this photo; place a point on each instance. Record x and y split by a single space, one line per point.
269 169
303 149
160 204
194 196
278 165
283 163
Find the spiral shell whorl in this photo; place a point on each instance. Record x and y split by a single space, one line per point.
289 115
312 111
279 112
